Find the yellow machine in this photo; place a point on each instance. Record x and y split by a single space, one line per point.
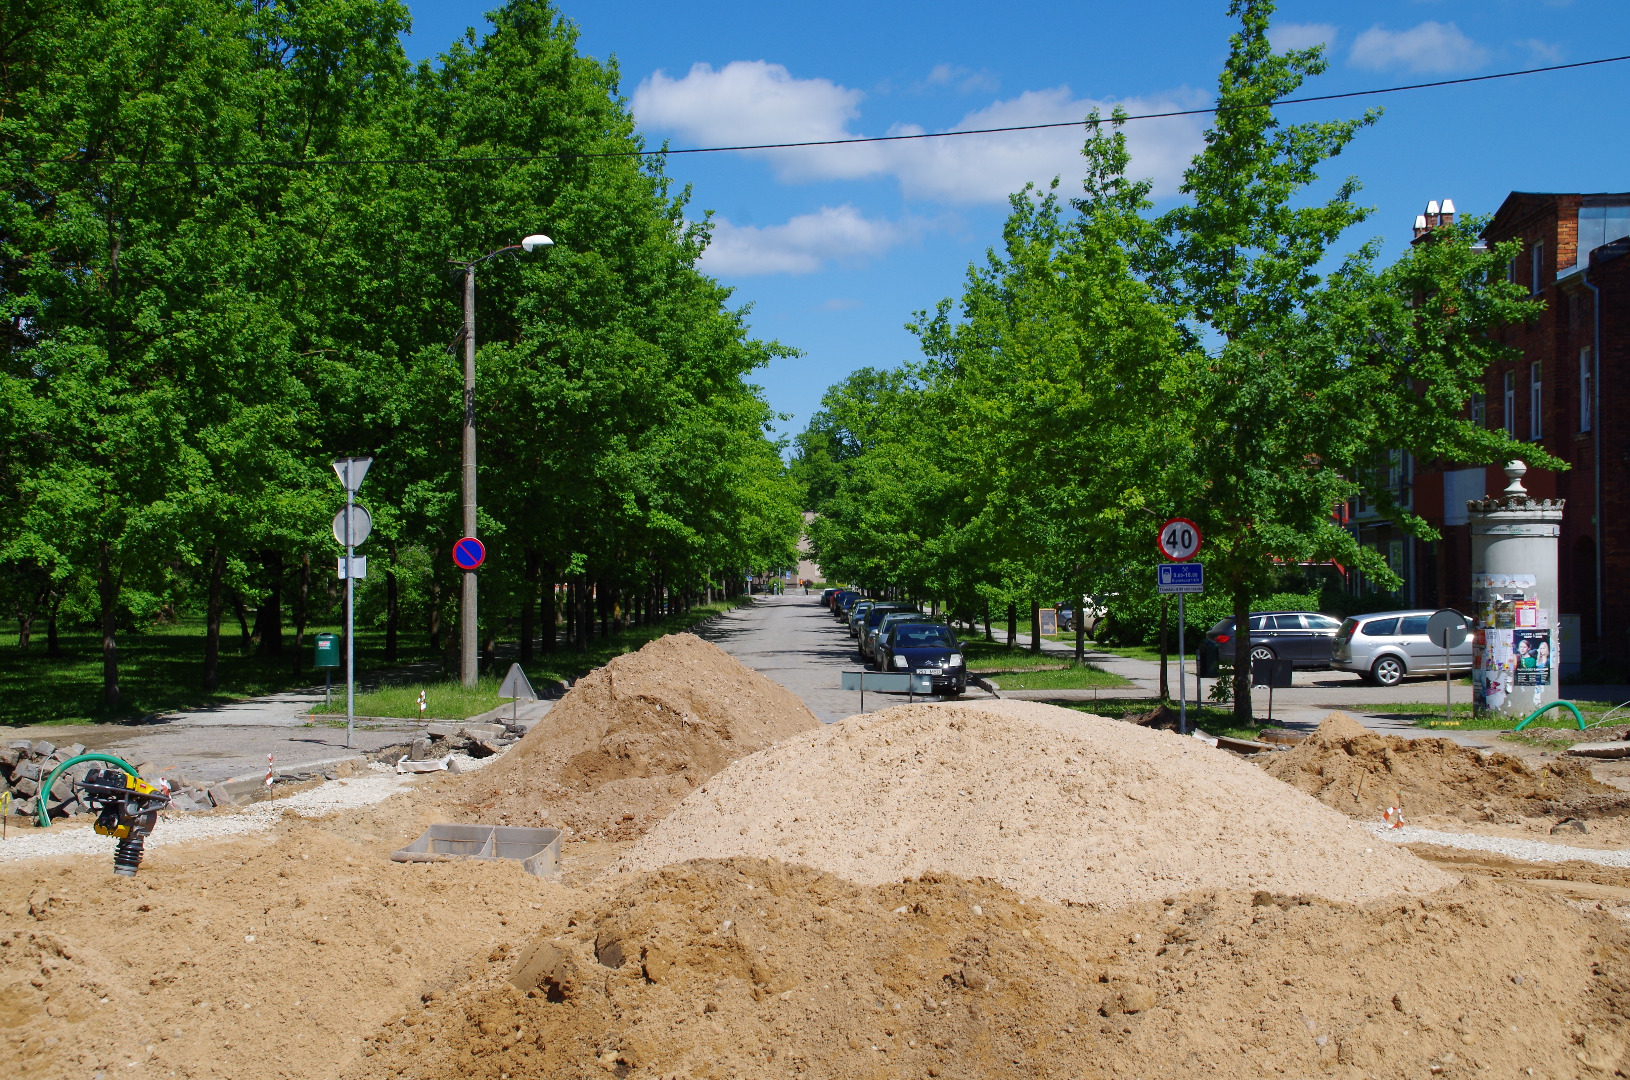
126 808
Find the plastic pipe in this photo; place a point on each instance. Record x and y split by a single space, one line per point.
45 788
1547 708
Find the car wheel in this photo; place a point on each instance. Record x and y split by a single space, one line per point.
1387 671
1261 652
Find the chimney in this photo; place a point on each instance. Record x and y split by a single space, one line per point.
1436 214
1420 226
1447 217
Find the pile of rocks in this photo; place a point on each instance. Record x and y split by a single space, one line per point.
477 740
26 766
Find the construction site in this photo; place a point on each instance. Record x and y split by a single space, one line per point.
704 880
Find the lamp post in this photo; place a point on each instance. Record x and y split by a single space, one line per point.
468 634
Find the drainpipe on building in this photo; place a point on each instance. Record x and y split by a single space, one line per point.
1596 428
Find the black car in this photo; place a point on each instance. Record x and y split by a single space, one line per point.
1305 638
925 649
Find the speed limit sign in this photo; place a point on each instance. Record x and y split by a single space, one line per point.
1179 540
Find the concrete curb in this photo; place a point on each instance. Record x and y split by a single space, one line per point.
249 783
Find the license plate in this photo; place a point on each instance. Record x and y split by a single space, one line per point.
927 671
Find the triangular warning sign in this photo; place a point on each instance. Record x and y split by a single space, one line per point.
515 685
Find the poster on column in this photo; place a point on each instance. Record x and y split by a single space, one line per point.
1531 657
1495 669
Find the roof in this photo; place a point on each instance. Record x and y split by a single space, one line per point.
1520 204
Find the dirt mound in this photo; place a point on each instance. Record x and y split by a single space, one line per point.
753 968
633 738
1050 802
1347 766
255 958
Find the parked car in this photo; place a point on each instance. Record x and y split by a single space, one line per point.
1305 638
868 644
873 618
1384 647
826 597
925 649
842 602
857 613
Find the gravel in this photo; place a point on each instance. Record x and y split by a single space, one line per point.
1527 850
78 839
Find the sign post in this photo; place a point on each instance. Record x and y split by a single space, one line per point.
1179 541
1447 629
348 524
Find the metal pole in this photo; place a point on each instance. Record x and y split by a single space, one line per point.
468 631
350 629
1182 686
1448 688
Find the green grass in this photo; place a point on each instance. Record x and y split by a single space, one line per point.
1462 717
1085 677
1143 652
1214 720
987 656
446 699
160 669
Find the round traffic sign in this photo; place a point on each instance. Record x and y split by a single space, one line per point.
469 553
1179 540
1446 628
362 524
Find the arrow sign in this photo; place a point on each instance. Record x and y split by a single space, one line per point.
515 685
469 553
362 524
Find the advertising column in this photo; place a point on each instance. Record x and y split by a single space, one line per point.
1515 660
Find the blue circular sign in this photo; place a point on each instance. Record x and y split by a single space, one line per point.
469 553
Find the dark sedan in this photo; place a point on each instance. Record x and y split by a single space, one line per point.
1305 638
925 649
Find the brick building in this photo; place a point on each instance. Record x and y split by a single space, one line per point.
1569 392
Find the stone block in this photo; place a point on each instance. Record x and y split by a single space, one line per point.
76 749
8 758
420 750
183 802
219 796
24 808
483 731
25 786
442 731
63 788
148 771
26 770
44 749
22 745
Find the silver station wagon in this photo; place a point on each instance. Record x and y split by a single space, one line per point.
1385 646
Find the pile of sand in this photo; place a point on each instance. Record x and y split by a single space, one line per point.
633 738
1049 802
1347 766
747 968
251 959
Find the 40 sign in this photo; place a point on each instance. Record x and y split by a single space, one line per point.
1179 540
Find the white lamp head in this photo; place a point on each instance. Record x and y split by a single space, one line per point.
536 240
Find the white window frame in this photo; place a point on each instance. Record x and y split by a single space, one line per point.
1511 403
1536 401
1479 409
1587 384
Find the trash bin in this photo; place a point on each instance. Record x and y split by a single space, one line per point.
1208 659
328 651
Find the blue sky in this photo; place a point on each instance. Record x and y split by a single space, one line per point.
836 247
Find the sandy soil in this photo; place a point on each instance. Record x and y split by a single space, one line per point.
631 739
1050 802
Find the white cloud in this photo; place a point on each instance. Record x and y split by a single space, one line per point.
1429 47
749 102
1544 51
964 79
1287 36
804 244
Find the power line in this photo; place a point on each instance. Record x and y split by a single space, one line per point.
856 140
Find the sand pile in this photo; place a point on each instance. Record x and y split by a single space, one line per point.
252 959
749 968
1049 802
631 739
1351 768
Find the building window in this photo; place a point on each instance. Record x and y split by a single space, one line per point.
1480 408
1536 260
1587 385
1510 403
1535 402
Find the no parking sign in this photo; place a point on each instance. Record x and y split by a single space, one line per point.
469 553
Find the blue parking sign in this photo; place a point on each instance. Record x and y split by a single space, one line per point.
1184 577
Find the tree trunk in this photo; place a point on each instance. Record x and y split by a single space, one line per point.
1080 631
602 597
1242 655
585 614
302 610
212 621
1012 624
1035 626
393 605
529 605
988 636
242 612
108 586
550 608
1165 680
434 629
489 647
53 646
269 616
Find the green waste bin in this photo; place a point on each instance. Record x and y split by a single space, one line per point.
328 651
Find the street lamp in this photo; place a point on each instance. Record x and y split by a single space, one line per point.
469 638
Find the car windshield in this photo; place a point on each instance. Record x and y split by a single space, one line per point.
920 636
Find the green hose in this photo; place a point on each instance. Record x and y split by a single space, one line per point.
1547 708
45 788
